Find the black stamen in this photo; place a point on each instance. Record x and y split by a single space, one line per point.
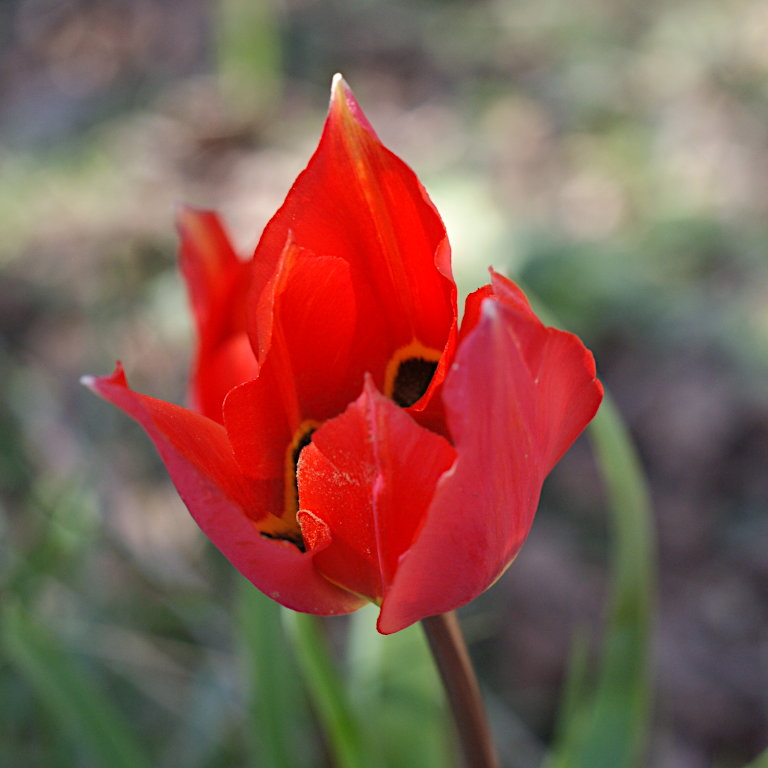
301 444
292 477
412 380
298 542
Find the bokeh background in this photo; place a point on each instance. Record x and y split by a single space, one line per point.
611 155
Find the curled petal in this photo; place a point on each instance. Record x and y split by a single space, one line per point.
227 506
516 397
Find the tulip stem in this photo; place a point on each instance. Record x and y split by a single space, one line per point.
452 659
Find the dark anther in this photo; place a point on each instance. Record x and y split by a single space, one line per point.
301 444
291 499
298 542
412 379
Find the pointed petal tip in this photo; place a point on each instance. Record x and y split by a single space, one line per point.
369 387
94 383
339 91
345 106
188 217
186 209
183 213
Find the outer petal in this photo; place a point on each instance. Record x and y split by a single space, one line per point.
224 504
563 369
516 397
217 283
357 202
365 484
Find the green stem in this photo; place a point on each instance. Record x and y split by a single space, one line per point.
453 662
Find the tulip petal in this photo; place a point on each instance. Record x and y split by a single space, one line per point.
311 319
516 397
217 284
228 507
295 388
358 202
365 483
259 426
563 369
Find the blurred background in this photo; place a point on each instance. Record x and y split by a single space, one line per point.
610 155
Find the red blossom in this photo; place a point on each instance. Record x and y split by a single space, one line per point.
349 443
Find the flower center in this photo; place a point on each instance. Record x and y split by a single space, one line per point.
409 373
412 380
286 527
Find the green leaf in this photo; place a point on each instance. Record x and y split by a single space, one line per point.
79 708
574 701
327 691
610 729
278 716
761 761
395 684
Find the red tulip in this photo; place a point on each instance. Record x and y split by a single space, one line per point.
349 443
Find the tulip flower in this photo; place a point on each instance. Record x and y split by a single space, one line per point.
348 441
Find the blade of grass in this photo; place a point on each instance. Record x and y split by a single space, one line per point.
75 703
327 692
761 761
612 732
274 690
574 701
619 724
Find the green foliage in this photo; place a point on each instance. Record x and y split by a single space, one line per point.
94 726
277 712
761 761
249 55
394 680
342 724
607 727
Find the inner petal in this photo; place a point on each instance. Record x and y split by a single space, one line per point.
365 483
